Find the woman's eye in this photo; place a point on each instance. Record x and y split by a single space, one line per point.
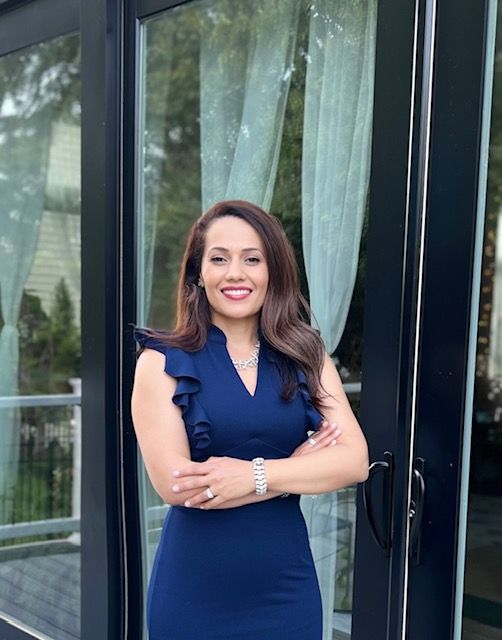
217 259
253 259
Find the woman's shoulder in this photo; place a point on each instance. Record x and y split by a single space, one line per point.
148 338
179 362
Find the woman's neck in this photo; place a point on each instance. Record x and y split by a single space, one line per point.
241 332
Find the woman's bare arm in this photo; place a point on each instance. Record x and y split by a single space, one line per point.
326 436
321 471
330 468
158 424
161 432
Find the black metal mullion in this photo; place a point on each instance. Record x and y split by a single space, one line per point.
103 600
134 559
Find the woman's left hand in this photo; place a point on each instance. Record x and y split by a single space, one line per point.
226 478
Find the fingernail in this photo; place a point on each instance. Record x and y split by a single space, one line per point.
333 442
187 504
338 432
201 507
176 488
176 473
334 424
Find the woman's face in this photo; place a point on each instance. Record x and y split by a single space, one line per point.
234 271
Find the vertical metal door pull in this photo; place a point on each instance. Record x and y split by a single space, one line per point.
383 539
417 509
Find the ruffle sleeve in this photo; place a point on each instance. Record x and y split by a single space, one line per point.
179 364
314 418
148 342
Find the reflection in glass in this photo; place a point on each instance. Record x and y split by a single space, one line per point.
269 101
40 337
482 611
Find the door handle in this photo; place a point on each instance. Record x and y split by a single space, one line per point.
417 510
386 466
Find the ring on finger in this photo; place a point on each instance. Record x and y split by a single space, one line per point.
209 493
312 442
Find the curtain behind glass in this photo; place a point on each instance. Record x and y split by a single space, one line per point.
24 146
336 154
335 174
245 73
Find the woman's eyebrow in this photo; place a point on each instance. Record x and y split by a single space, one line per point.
228 250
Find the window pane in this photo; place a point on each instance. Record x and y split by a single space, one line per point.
482 606
268 101
40 385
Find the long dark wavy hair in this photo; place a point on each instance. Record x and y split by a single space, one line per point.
290 339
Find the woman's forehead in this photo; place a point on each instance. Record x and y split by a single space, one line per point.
232 233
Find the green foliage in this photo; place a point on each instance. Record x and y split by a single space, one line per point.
49 345
65 337
43 490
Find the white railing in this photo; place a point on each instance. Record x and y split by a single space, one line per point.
69 524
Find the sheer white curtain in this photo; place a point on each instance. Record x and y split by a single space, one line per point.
24 145
245 75
336 154
335 174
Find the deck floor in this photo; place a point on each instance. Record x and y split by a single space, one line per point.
40 588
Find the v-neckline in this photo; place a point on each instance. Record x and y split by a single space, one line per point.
241 381
219 335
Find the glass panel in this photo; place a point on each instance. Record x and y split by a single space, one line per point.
482 606
40 385
268 101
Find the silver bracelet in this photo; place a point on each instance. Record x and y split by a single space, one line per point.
259 476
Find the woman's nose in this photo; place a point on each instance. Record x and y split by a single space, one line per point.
234 270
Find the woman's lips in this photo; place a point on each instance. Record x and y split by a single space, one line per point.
236 294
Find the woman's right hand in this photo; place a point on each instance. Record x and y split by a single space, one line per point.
326 435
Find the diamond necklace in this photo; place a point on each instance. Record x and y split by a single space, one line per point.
252 361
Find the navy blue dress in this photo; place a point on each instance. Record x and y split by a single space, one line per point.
245 573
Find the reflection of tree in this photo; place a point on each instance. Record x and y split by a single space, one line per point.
38 78
37 87
49 345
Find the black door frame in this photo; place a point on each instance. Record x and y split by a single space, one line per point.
445 364
391 290
104 577
24 23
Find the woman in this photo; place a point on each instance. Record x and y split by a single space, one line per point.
222 407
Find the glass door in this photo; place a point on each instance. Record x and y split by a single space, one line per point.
281 103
